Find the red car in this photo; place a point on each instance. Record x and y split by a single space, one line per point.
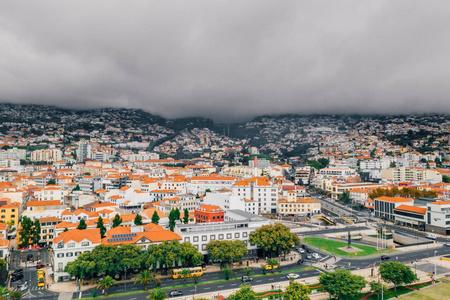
40 266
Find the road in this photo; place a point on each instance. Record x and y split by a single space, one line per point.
30 274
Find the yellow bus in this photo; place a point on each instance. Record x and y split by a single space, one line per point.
195 271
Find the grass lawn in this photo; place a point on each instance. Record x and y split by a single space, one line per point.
391 293
333 247
440 291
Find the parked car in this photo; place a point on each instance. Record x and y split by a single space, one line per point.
293 276
308 256
175 293
17 271
40 266
447 244
301 251
384 257
246 279
31 264
300 261
269 267
22 286
16 277
304 246
431 236
308 250
330 267
316 255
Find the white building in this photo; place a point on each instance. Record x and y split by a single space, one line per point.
260 190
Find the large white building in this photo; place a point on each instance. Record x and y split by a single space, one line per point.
237 226
260 190
50 155
226 200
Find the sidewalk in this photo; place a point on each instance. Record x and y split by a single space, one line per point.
72 287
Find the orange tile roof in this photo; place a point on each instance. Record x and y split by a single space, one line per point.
78 235
43 203
440 202
49 219
394 199
414 209
150 211
258 182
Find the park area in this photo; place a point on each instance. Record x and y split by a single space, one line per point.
439 291
334 247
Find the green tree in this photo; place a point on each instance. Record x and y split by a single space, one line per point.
26 231
51 182
226 272
188 255
36 232
106 283
263 269
186 216
244 293
77 188
296 291
155 218
273 238
172 219
345 197
157 294
376 287
101 226
2 263
397 273
83 267
128 256
65 229
16 295
342 284
138 220
445 178
185 272
145 277
117 221
272 263
226 251
177 213
82 225
248 271
4 292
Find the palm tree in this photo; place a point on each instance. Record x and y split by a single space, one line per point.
185 273
4 292
145 277
106 283
157 294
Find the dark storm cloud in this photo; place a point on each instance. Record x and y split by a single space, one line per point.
227 59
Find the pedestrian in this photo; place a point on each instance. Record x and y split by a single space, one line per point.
103 291
47 286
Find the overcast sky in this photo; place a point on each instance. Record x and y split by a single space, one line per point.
230 60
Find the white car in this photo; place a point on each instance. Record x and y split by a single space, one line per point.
301 250
31 264
23 286
293 276
316 255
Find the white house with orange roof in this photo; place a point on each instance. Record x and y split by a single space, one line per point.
384 206
199 184
258 189
45 208
50 192
226 200
148 214
69 245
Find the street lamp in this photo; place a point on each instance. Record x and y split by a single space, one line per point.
435 266
125 279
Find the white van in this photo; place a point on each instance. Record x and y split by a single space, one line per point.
430 236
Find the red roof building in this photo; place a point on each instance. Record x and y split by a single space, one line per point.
209 214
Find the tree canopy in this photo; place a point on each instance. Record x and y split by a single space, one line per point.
155 218
225 250
116 221
138 220
274 238
406 192
244 293
342 284
397 273
82 225
296 291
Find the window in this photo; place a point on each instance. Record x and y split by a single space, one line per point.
244 234
203 247
196 239
70 245
220 236
50 230
204 238
85 244
229 235
60 255
212 237
60 266
237 235
77 253
44 230
187 239
69 254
